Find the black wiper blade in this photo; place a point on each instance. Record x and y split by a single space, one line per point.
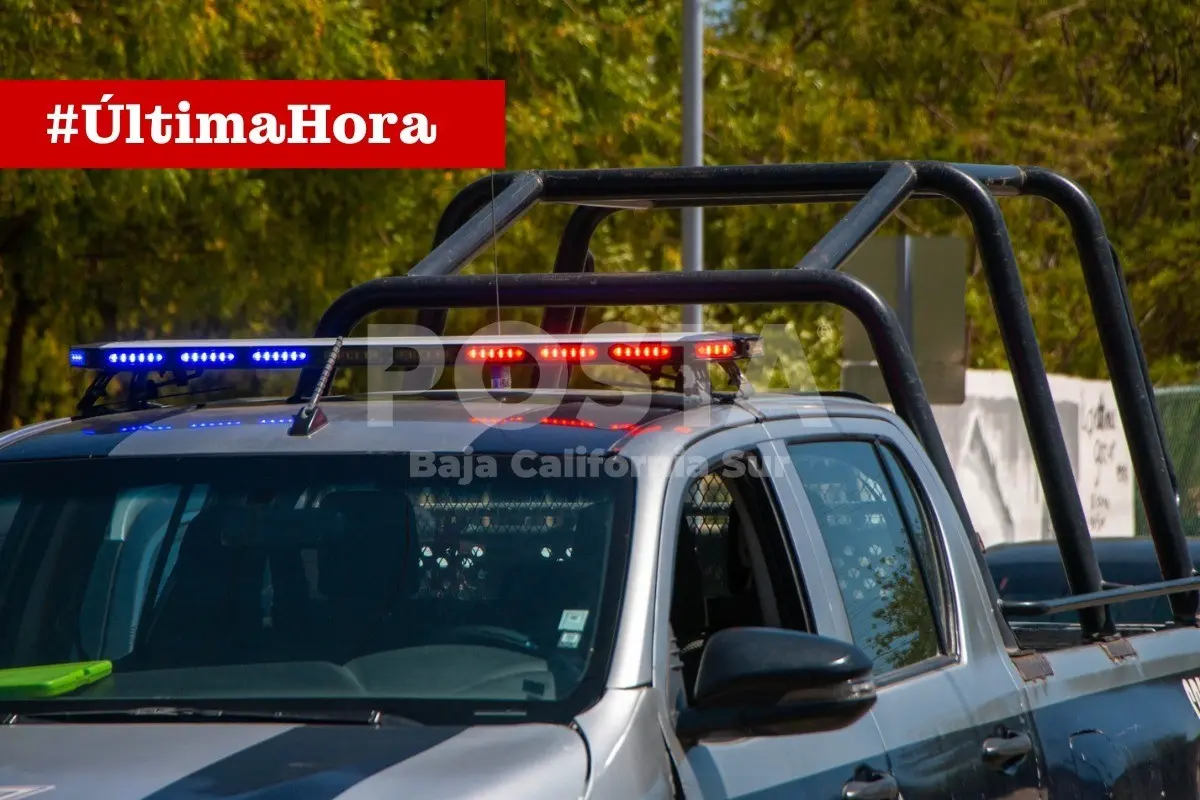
192 714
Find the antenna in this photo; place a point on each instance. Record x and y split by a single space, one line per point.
311 418
498 381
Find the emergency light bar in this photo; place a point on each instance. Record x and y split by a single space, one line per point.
650 350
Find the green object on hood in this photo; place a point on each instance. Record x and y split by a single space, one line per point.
50 680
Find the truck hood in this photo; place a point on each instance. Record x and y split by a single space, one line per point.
182 761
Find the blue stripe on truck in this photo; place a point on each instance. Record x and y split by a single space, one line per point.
316 762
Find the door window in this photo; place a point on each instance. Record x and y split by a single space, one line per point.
733 566
880 546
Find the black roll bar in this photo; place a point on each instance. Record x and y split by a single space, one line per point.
573 251
514 194
1033 390
868 214
1162 433
1122 594
476 222
897 364
1121 342
881 187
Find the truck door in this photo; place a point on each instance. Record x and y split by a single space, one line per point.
734 565
951 712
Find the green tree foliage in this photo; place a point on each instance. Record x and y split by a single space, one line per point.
1094 89
88 254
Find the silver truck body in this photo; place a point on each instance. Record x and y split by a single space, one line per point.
930 727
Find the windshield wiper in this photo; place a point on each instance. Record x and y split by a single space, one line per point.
192 714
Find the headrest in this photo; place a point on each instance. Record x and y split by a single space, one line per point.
267 527
689 611
378 543
380 507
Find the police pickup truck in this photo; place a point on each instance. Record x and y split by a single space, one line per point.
539 587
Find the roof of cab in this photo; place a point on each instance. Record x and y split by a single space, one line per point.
416 424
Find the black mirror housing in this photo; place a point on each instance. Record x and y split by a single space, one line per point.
775 682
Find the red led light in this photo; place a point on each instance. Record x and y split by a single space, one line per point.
568 423
640 352
634 429
509 354
568 352
712 350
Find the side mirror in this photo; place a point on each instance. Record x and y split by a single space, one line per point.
774 682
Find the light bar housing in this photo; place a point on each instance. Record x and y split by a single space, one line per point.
649 350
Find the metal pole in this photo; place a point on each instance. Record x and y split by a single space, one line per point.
693 143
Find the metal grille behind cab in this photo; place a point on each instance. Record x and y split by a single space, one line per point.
466 537
706 514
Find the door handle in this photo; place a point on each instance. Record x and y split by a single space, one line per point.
1005 751
879 786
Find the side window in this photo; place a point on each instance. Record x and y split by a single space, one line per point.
878 540
733 567
922 534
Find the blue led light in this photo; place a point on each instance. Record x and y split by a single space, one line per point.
132 428
218 423
125 429
207 357
162 355
277 356
130 357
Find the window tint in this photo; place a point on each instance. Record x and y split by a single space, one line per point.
922 534
315 575
733 567
8 511
869 534
713 583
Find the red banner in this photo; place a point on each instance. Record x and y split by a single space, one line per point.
121 124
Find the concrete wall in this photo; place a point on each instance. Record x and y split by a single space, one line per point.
989 446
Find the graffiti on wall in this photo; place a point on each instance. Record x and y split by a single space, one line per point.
998 475
1106 489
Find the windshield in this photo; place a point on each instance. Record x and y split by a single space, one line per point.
307 577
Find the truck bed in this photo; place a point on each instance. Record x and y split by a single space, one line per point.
1049 636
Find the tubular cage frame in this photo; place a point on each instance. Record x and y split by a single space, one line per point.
492 205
